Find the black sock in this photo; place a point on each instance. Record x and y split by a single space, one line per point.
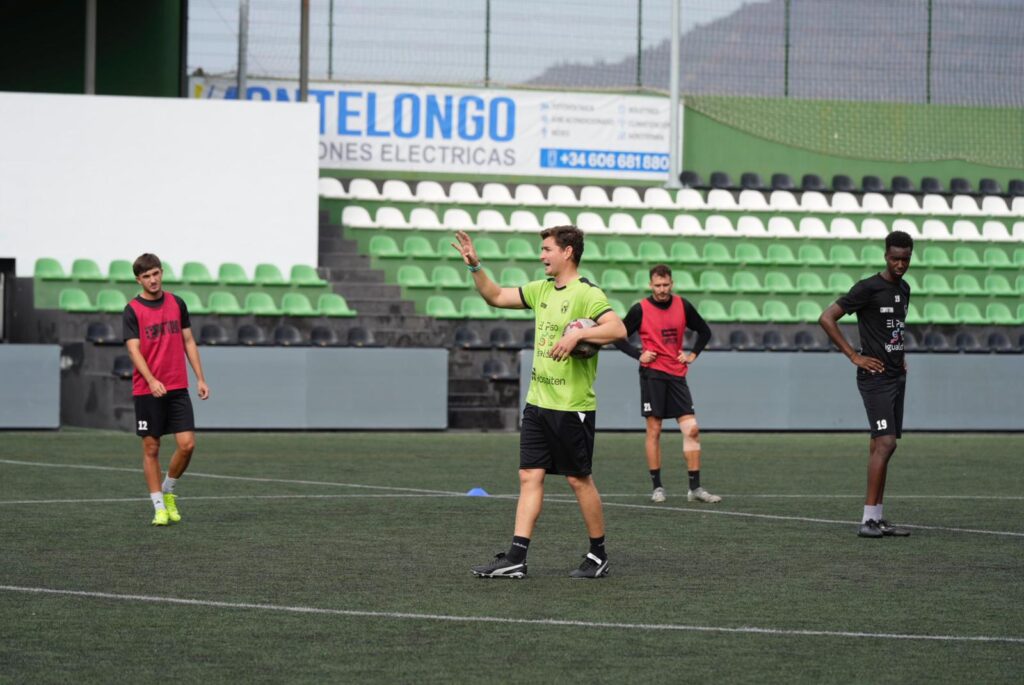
694 479
597 548
656 478
517 552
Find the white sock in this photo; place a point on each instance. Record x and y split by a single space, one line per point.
158 500
169 484
872 512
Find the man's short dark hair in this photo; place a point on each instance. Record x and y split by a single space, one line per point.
146 262
566 236
899 239
661 270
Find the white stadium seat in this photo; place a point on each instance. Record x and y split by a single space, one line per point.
654 223
781 227
995 231
965 230
874 203
627 197
843 228
555 218
812 227
752 200
843 202
591 222
424 217
1018 206
458 219
783 201
396 191
491 220
993 205
331 188
463 193
496 194
965 205
356 217
907 226
751 227
620 222
687 224
1018 231
934 204
562 196
873 228
363 189
721 200
530 195
718 225
813 201
523 220
593 196
431 191
933 229
688 198
905 204
658 198
391 217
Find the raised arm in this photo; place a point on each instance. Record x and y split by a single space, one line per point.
493 294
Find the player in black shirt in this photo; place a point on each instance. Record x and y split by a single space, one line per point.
881 303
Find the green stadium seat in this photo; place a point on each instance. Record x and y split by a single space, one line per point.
269 276
592 252
778 282
49 269
516 314
619 251
682 282
968 312
412 276
997 284
811 284
911 280
745 311
488 249
583 272
967 258
522 250
935 257
419 247
513 277
232 274
170 275
840 283
385 247
445 249
111 301
196 273
1018 256
684 253
1020 313
74 300
999 314
120 271
474 307
749 253
714 312
86 270
1020 284
779 254
445 276
297 304
966 284
812 255
224 303
996 258
717 253
333 304
616 280
642 279
652 252
618 306
777 311
843 255
303 276
746 282
712 281
261 304
935 284
192 301
874 255
441 307
937 313
808 311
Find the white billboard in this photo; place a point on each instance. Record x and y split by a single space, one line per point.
476 131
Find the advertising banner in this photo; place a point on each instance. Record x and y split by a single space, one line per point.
476 131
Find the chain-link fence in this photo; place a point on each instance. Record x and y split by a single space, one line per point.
963 52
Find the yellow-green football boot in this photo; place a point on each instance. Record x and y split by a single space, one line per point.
172 507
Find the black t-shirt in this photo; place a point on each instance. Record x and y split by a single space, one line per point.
694 322
130 322
881 307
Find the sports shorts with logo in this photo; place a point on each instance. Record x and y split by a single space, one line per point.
156 416
560 442
883 400
663 395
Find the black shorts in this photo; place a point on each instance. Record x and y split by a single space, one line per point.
156 416
883 400
663 395
560 442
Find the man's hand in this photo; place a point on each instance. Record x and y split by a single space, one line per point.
869 364
157 388
564 347
647 356
686 357
203 390
466 249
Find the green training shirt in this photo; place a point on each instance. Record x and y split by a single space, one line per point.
567 385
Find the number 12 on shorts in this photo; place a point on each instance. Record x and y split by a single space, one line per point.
881 424
143 425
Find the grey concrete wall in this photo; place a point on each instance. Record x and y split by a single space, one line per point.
274 388
809 391
29 386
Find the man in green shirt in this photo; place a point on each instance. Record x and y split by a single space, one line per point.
557 434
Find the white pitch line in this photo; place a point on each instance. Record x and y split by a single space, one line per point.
191 498
747 495
749 630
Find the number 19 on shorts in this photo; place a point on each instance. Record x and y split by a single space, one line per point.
881 424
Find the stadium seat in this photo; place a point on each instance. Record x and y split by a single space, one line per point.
811 283
997 258
390 217
192 301
745 311
871 184
395 190
431 192
448 277
781 227
966 258
461 192
74 300
812 255
841 183
960 186
993 205
812 227
468 338
250 335
968 313
684 253
520 249
843 228
458 219
491 220
353 216
752 201
717 253
652 252
474 307
718 225
120 271
741 341
412 276
997 284
934 256
910 343
999 343
382 247
690 179
1015 187
269 276
424 218
874 255
123 367
721 200
874 203
937 313
720 180
935 284
808 311
498 370
689 199
213 334
358 336
224 303
873 228
934 204
966 230
966 284
779 254
363 189
102 333
712 281
748 253
783 201
297 304
746 282
840 283
441 307
328 304
49 269
231 273
562 196
418 247
287 335
751 227
682 281
845 202
778 282
488 249
906 226
911 281
903 203
619 252
331 188
843 255
999 314
496 194
658 198
323 336
513 277
303 275
524 220
777 311
750 180
901 184
934 341
556 218
812 182
594 196
621 222
684 224
501 338
591 222
782 181
931 185
530 195
995 231
774 341
933 229
86 270
111 301
196 273
1018 254
714 311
